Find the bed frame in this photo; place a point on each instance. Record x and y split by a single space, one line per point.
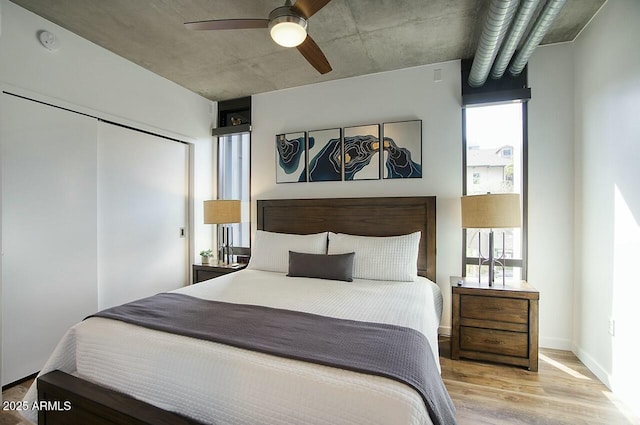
92 404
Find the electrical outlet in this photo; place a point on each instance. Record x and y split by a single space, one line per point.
612 327
437 75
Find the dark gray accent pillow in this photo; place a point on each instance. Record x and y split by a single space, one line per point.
322 266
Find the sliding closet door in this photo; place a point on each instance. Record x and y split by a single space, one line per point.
49 268
142 215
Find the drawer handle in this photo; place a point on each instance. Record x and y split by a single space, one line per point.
492 341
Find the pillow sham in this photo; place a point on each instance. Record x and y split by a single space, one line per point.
270 250
392 258
321 266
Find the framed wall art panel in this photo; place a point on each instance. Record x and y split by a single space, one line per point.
325 155
291 157
362 152
402 149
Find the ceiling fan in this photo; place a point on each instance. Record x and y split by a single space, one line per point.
287 25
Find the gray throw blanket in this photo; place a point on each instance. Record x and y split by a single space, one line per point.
390 351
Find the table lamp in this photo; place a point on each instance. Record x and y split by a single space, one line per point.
491 211
222 213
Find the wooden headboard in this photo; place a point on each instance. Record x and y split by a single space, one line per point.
357 216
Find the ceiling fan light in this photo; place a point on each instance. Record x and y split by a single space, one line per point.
288 31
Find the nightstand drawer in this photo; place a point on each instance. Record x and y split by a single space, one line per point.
494 308
494 341
206 275
202 272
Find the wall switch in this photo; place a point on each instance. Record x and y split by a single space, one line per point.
612 327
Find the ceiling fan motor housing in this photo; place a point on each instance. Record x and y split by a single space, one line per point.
287 28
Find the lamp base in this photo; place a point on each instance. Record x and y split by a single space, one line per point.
491 261
225 245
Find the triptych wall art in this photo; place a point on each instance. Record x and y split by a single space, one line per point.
351 153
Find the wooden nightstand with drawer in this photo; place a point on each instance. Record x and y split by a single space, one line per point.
497 323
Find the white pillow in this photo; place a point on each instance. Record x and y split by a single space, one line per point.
393 258
270 251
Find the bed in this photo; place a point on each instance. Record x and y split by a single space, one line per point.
114 372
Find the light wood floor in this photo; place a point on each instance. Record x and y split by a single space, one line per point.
14 394
564 391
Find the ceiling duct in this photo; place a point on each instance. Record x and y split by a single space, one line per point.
495 27
540 28
520 23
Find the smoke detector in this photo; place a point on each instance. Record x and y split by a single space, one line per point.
48 40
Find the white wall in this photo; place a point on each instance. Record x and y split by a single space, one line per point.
412 94
551 174
1 5
88 78
391 96
607 130
50 241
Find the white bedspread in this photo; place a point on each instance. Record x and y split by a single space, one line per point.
216 383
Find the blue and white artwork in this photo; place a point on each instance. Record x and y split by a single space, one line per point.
362 152
402 149
291 157
325 155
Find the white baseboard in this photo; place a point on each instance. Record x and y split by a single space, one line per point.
625 397
556 343
592 365
563 344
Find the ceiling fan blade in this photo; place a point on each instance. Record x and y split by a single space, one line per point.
307 8
314 55
227 24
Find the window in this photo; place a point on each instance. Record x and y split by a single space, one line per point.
495 146
234 158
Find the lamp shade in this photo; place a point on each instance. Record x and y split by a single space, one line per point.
491 211
221 211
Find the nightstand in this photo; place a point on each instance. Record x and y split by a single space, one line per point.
497 323
210 271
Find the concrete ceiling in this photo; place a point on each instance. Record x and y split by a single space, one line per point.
358 37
